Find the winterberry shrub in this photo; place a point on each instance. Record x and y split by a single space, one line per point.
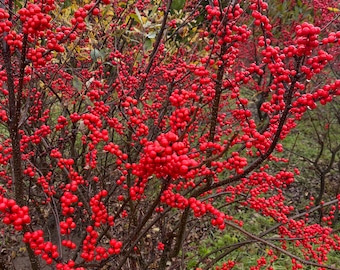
128 126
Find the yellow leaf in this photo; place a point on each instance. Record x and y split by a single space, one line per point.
333 9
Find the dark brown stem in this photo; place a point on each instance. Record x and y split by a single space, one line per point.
13 128
133 239
14 103
155 49
215 109
181 232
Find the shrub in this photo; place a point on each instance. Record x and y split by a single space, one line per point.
130 129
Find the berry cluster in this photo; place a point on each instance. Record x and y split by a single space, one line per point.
14 40
99 211
67 226
176 200
34 20
62 122
69 244
306 38
5 24
67 199
114 149
93 252
42 132
46 250
165 156
68 266
13 213
225 266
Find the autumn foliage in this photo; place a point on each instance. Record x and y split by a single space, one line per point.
131 129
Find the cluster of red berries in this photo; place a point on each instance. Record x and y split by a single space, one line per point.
236 162
259 7
89 244
6 154
13 213
332 38
314 65
213 11
114 149
225 266
253 68
180 97
75 117
68 266
67 226
128 102
99 211
272 206
91 157
65 163
306 38
46 250
75 180
14 40
165 157
142 130
115 246
5 24
160 246
67 199
38 57
92 121
42 132
44 182
176 200
330 217
100 108
79 18
69 244
93 252
259 141
308 100
82 13
61 34
313 248
180 118
30 171
116 125
62 122
46 5
332 89
95 94
34 20
305 101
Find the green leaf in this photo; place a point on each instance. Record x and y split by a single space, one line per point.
177 5
77 83
18 4
95 54
147 44
140 20
135 17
